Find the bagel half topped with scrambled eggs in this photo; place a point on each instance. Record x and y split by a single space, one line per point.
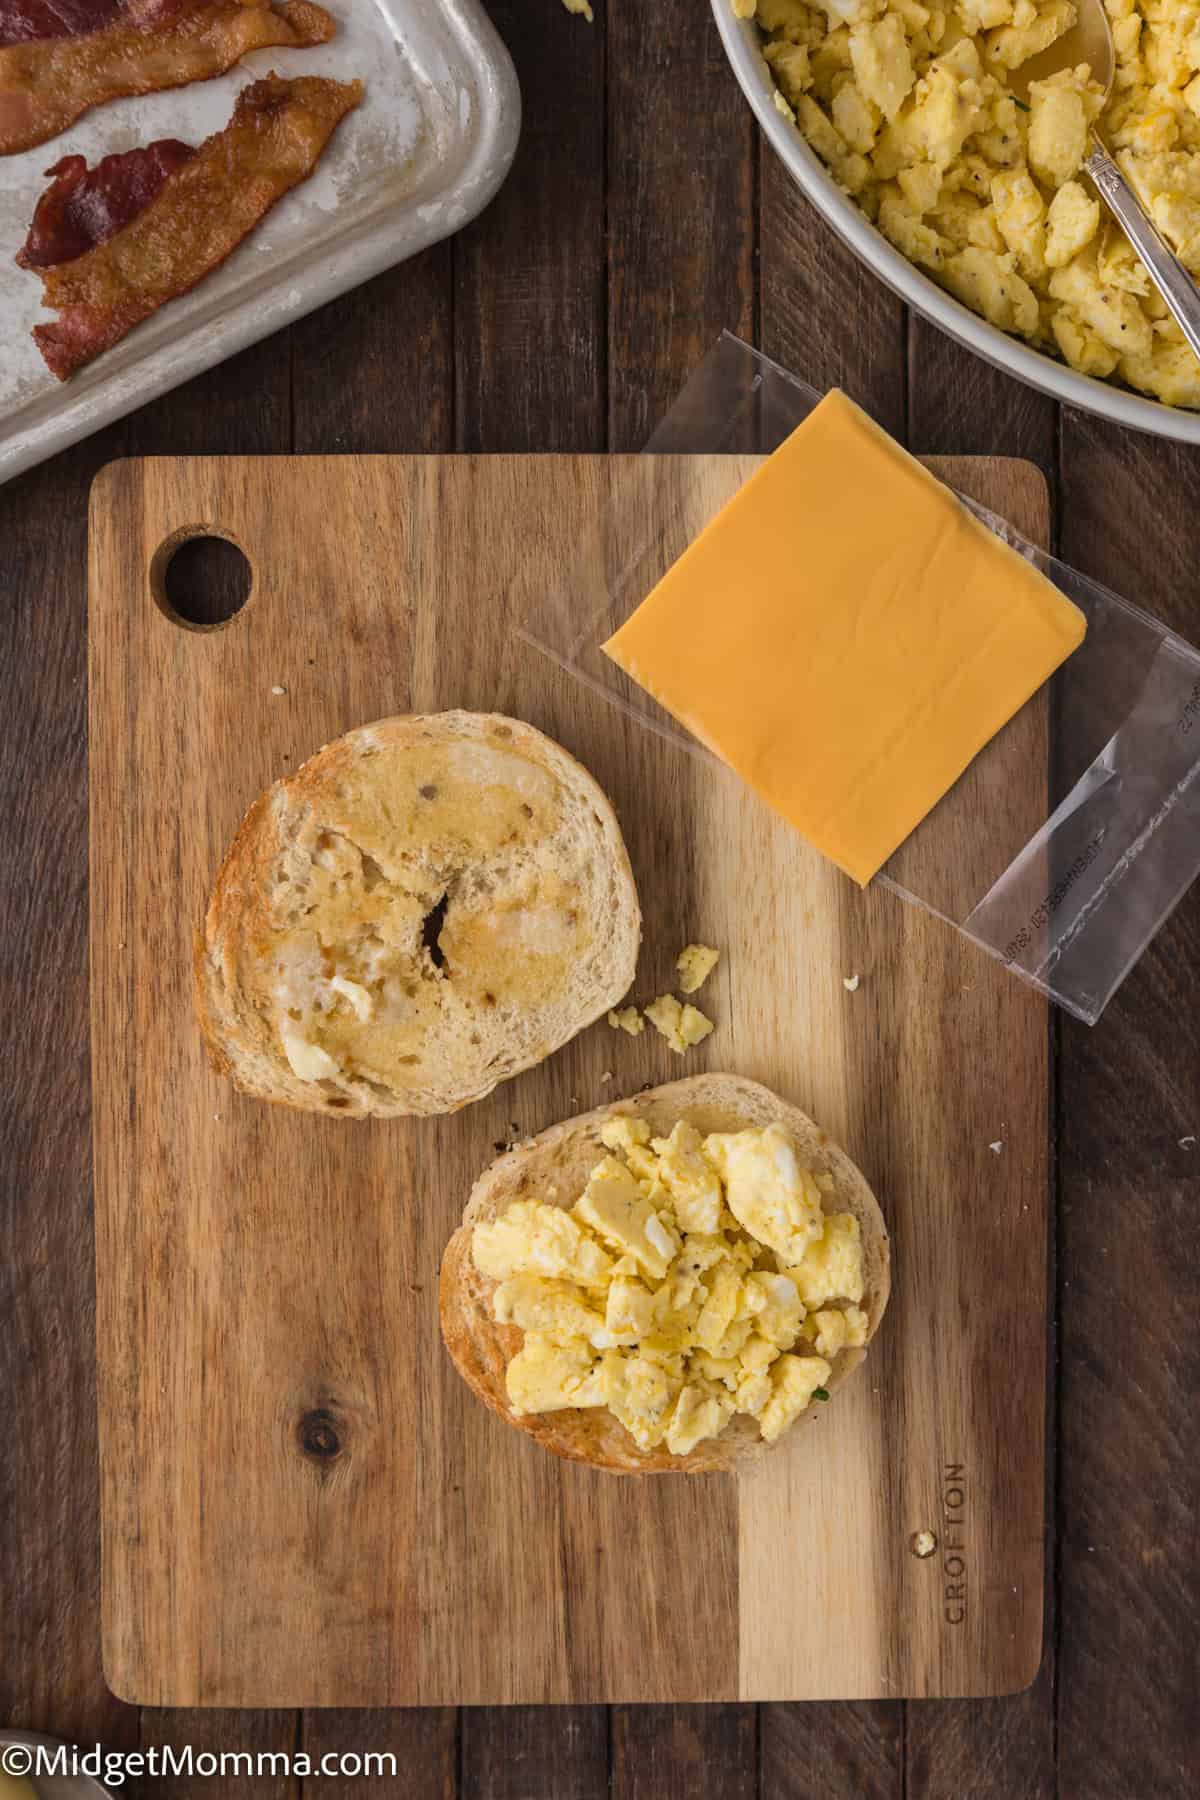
429 905
667 1283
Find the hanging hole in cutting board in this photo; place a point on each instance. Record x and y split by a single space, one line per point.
201 578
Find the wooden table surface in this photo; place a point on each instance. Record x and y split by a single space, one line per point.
641 217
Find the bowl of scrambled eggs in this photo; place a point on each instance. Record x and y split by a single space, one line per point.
668 1284
897 119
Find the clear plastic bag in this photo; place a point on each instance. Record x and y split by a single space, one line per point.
1074 832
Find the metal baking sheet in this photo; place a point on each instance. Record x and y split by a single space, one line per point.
426 150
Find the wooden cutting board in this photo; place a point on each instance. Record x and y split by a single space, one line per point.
301 1502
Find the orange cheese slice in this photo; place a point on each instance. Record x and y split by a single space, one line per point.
847 636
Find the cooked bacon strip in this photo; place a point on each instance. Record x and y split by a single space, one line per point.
85 207
47 84
24 21
201 213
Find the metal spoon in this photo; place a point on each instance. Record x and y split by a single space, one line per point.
1090 41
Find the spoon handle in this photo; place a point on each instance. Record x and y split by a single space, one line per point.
1166 271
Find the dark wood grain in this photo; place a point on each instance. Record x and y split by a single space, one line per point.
1130 1188
966 1749
681 158
49 1525
825 1752
959 405
529 276
526 1752
242 405
822 314
661 1750
226 1737
423 1740
373 371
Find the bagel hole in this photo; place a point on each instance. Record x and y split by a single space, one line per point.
431 931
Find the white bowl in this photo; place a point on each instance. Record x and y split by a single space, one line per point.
741 40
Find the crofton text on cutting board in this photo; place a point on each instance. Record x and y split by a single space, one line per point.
301 1501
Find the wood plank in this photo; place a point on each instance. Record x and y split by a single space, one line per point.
681 155
810 1752
977 1749
824 315
524 1752
529 274
50 1678
959 405
224 1747
242 405
660 1750
373 370
1130 1248
423 1741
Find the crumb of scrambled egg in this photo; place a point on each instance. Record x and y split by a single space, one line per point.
909 104
682 1026
628 1019
582 7
695 964
694 1278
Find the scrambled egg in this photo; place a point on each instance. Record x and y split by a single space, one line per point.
694 1278
682 1026
695 964
908 103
